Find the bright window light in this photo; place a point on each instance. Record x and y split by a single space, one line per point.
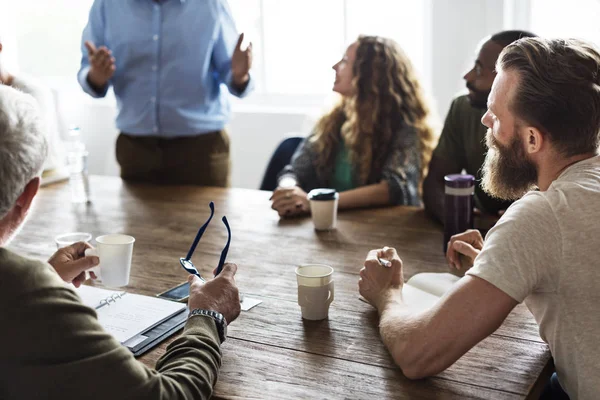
297 42
401 20
575 19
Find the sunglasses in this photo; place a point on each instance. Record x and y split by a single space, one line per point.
186 262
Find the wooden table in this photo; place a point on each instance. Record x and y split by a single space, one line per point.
271 352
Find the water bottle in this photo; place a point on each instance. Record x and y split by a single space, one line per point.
458 215
77 163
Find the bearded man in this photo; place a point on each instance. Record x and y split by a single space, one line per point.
543 124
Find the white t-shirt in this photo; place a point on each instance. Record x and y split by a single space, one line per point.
545 250
45 99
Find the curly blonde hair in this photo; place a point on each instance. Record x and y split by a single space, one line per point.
387 96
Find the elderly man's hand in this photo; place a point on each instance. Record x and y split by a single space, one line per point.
71 263
377 283
219 294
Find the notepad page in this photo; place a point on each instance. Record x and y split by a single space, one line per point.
92 296
133 314
417 298
433 283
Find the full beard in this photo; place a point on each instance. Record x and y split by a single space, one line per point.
507 172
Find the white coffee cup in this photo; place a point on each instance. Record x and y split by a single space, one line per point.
315 290
115 252
323 208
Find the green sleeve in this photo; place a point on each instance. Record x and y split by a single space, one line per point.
55 348
451 147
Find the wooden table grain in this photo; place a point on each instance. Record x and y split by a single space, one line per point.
271 352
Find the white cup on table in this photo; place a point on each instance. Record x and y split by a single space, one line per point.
115 252
323 208
315 290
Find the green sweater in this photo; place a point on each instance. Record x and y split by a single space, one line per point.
53 347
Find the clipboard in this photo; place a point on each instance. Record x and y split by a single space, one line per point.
149 339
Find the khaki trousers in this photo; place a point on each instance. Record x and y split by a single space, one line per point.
197 160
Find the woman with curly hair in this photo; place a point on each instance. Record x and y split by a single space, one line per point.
375 145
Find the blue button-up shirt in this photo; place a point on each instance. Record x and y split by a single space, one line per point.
173 60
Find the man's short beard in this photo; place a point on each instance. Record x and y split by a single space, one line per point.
478 98
507 172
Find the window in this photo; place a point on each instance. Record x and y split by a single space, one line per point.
50 31
297 42
555 18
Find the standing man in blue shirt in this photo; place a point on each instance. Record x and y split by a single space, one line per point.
167 61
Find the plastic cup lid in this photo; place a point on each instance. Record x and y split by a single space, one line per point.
459 180
322 194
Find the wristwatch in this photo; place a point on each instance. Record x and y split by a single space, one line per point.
217 316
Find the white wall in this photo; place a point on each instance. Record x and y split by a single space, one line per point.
254 137
457 28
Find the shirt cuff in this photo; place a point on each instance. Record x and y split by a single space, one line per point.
203 325
85 85
233 90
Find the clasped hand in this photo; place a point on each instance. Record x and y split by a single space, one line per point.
379 284
290 202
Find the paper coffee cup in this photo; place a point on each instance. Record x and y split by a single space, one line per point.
323 208
315 290
115 252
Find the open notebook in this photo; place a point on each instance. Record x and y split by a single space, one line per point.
128 316
423 290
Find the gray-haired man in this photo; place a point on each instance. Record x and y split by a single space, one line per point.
52 345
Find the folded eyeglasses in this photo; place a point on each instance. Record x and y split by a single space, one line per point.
186 262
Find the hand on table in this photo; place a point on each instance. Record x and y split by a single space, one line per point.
289 202
241 62
102 64
468 244
377 284
219 294
71 263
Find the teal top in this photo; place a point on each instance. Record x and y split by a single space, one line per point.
342 179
